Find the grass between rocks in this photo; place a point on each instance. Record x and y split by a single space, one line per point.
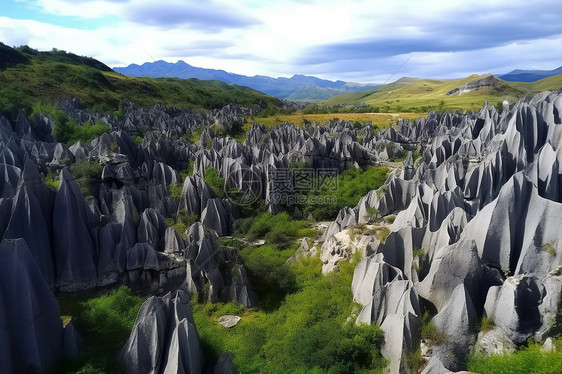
104 322
309 332
303 322
382 120
531 359
347 189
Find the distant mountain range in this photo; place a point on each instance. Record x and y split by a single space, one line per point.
529 75
298 87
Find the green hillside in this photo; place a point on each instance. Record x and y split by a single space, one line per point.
29 77
407 95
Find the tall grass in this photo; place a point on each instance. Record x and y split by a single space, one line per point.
104 322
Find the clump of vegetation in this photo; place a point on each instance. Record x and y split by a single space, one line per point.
530 359
381 233
347 189
215 181
269 274
549 248
428 330
175 190
309 332
279 229
486 324
52 181
105 323
182 221
66 130
86 173
418 252
390 219
415 361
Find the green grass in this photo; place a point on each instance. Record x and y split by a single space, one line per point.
66 130
86 174
527 360
486 324
175 190
308 333
382 120
349 187
429 94
105 323
549 248
279 229
52 182
49 77
428 330
215 181
390 219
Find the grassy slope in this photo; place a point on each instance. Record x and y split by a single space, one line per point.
415 96
49 77
382 120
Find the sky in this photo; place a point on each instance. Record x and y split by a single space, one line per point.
366 41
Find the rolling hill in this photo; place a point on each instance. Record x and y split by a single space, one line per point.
529 75
408 95
29 78
298 87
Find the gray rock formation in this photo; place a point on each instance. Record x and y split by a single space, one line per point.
164 338
209 263
31 334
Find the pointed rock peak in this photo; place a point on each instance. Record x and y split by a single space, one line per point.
65 176
30 174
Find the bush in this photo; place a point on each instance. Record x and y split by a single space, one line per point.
269 274
105 323
352 184
429 331
308 333
86 173
279 229
486 324
527 360
66 130
52 182
175 190
215 181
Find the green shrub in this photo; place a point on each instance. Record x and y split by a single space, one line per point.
390 219
86 173
215 181
188 171
486 324
279 229
52 182
415 360
429 331
105 323
352 184
530 359
175 190
309 332
66 130
269 274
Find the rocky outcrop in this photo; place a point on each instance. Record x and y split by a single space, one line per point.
475 232
31 333
489 81
214 267
164 338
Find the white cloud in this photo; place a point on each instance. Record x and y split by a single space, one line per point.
280 36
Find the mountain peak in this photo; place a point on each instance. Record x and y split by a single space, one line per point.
284 88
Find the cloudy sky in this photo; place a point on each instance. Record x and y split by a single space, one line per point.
355 40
